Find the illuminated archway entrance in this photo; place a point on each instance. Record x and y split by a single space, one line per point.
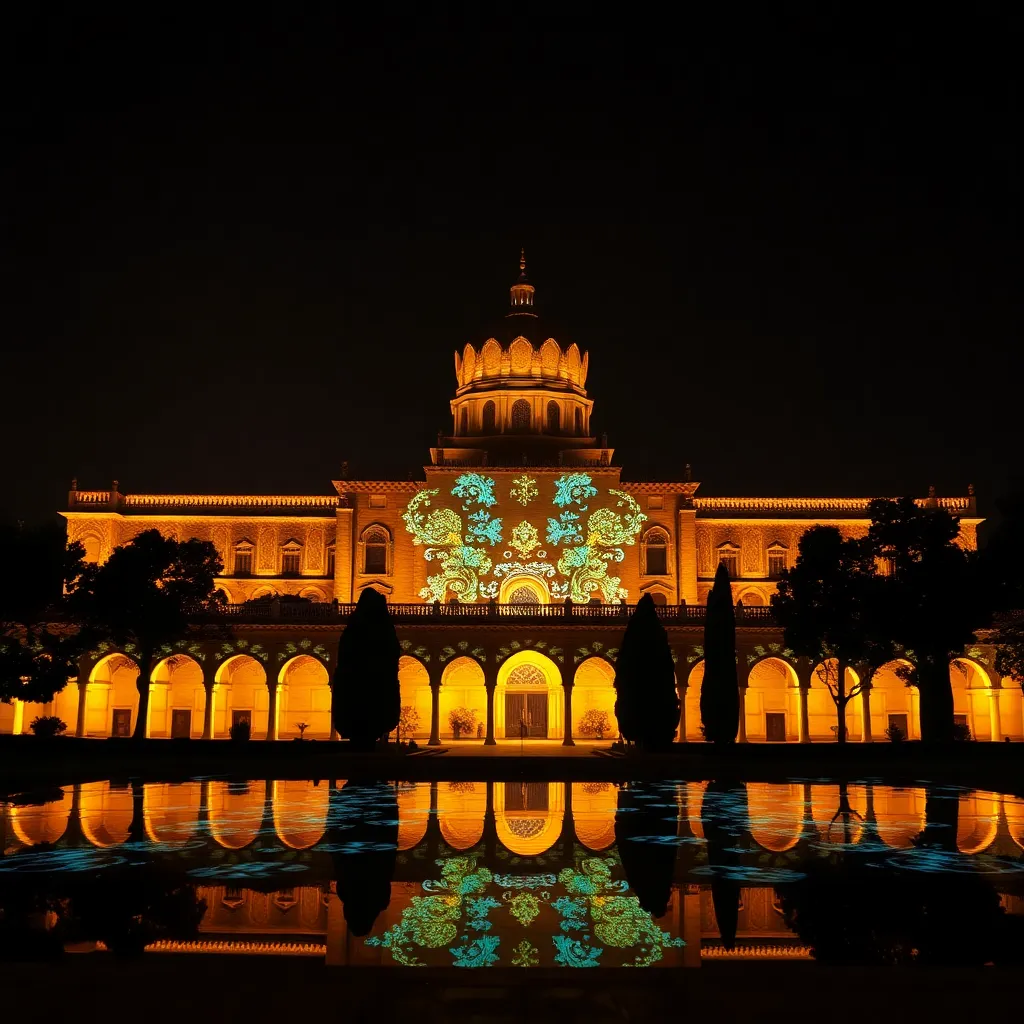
463 698
822 712
772 707
414 690
593 700
894 704
177 698
691 704
112 698
529 701
975 702
241 694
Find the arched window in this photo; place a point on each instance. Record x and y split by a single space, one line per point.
655 553
554 418
291 558
488 418
243 558
464 423
729 556
578 420
375 551
526 675
520 414
93 546
776 560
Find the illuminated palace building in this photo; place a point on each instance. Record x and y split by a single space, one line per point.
510 568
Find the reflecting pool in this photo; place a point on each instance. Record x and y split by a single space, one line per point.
515 874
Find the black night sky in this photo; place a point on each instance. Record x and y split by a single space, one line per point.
239 252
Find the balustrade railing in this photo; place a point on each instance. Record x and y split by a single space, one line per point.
279 611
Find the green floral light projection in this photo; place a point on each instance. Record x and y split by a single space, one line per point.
586 549
523 489
592 916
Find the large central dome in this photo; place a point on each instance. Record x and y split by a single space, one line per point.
519 390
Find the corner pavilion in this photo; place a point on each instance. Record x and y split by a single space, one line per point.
510 568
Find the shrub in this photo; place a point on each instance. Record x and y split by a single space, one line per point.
408 720
48 725
241 730
594 723
462 720
962 732
895 734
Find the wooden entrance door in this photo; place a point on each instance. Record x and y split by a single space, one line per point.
181 724
529 709
775 727
122 722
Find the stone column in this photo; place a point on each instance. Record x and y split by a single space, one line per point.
83 685
996 718
567 740
490 686
19 717
435 713
805 722
742 737
272 709
209 709
865 703
682 713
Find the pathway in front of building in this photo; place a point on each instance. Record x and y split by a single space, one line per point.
510 748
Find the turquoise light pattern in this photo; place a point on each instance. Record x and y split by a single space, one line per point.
577 570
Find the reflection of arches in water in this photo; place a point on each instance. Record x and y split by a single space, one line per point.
41 823
300 812
460 808
693 793
413 813
593 813
170 811
528 815
105 812
832 826
1013 808
776 814
899 815
594 690
414 690
236 812
977 821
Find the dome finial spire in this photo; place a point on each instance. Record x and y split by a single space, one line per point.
522 260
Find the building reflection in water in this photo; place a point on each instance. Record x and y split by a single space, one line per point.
511 873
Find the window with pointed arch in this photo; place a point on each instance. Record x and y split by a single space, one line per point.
488 418
655 551
376 550
729 556
554 418
578 420
520 414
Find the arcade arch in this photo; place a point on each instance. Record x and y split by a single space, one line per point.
105 813
691 702
413 813
776 814
462 686
835 824
894 702
414 692
977 821
822 714
236 812
593 813
112 697
240 692
529 693
772 703
177 698
594 691
303 696
33 824
460 809
973 699
899 814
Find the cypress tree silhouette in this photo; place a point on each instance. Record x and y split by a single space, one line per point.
719 692
365 699
725 820
641 825
646 704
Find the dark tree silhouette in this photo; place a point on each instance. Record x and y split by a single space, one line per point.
363 831
646 704
823 604
366 702
724 819
40 641
1002 561
719 690
143 594
931 602
644 836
